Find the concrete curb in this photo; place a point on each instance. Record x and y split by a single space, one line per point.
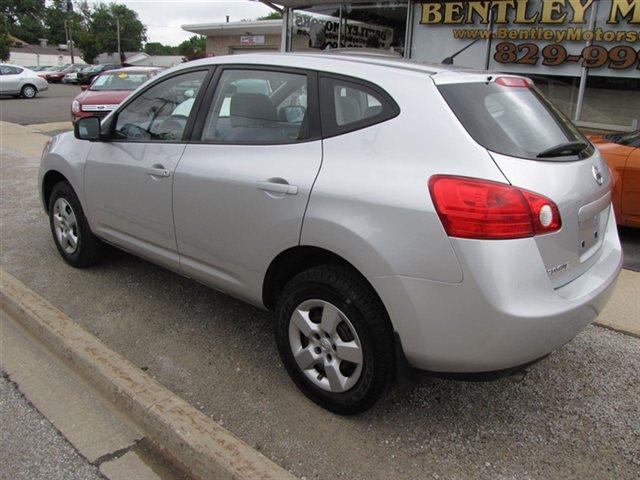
184 434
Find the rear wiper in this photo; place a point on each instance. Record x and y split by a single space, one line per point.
564 149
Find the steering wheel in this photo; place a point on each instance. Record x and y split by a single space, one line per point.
134 131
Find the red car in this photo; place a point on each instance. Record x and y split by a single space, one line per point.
108 90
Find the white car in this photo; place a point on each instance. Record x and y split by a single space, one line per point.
20 81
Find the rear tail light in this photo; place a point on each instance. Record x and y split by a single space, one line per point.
514 82
481 209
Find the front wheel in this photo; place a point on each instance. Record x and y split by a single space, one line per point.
29 91
335 339
70 229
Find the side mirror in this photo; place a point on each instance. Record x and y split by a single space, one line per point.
87 128
84 87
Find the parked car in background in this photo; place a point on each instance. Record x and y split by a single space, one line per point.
54 68
622 153
86 75
72 77
20 81
108 90
57 75
389 212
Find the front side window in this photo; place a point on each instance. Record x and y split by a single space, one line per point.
161 112
256 106
347 105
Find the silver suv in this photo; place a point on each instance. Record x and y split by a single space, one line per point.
390 213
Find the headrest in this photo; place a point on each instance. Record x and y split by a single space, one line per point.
347 110
251 110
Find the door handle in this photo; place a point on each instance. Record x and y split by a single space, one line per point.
275 187
158 171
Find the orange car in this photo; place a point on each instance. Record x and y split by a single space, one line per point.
622 153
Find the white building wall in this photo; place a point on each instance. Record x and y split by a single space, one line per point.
27 58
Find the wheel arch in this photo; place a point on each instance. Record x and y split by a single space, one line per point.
295 260
50 180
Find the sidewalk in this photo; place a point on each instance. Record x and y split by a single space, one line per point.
32 449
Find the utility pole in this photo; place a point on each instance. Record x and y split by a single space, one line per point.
119 50
69 36
67 29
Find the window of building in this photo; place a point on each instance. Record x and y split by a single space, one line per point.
376 25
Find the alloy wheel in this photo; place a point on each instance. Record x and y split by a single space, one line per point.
29 91
325 346
65 225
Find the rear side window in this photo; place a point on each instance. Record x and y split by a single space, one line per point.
347 105
515 121
6 70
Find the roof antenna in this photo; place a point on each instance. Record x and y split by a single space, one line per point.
449 60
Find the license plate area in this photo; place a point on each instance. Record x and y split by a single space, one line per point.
591 234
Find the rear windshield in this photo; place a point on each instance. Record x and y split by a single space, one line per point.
514 121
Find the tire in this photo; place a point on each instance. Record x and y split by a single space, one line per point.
29 91
362 322
70 229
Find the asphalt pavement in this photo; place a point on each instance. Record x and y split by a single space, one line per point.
53 105
574 415
32 448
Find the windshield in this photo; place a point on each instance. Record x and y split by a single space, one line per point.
119 81
515 121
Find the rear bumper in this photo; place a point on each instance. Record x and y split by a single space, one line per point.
503 314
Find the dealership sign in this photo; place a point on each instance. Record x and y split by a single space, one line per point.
553 35
324 32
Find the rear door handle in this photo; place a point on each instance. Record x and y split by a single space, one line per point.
158 171
274 187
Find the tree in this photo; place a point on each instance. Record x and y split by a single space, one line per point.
193 48
55 16
24 18
157 48
4 41
275 15
102 32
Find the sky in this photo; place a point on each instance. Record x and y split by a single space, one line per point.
164 18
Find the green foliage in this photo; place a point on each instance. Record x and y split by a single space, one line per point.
54 18
103 28
275 15
93 28
4 40
24 18
194 48
157 48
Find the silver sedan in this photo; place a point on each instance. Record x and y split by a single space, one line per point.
20 81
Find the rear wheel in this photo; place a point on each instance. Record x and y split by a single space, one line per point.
29 91
335 339
70 229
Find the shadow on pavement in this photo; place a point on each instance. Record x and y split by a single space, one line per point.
630 238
